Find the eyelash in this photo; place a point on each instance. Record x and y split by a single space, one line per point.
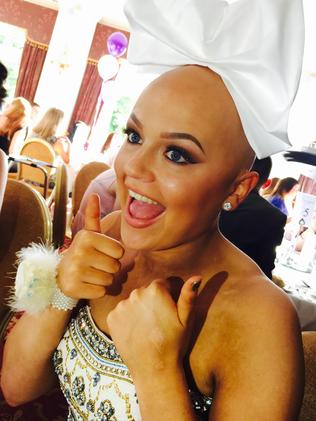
171 148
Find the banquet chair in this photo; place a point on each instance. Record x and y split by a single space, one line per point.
308 410
39 176
3 174
86 174
60 199
24 219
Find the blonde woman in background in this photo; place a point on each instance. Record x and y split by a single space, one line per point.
13 125
267 191
47 129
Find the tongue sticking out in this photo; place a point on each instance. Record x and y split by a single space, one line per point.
142 210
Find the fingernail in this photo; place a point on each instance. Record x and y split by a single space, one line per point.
196 285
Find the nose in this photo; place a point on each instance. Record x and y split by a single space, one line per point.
140 164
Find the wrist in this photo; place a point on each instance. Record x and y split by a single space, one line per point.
35 285
160 372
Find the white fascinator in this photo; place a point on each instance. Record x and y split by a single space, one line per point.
256 46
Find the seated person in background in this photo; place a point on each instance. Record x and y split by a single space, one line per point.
105 186
268 187
283 196
255 226
13 125
47 129
3 77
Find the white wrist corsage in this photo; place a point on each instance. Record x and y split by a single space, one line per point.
35 283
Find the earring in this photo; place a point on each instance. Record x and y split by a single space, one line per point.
227 206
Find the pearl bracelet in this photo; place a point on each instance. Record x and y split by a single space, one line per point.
35 283
62 302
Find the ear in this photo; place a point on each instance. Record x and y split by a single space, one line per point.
242 187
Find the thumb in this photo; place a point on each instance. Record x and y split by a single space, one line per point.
92 214
187 298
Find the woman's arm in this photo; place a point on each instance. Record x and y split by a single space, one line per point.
85 269
151 333
164 391
17 142
27 369
62 148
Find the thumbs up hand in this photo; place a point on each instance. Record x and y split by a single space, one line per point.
151 330
92 260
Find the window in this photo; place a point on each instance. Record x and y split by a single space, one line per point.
12 39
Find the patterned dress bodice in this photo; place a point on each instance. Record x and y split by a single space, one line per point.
94 379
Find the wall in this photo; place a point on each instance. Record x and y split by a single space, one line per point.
39 22
98 47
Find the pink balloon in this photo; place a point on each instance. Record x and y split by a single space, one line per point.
117 44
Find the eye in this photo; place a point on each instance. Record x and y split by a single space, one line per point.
132 136
179 155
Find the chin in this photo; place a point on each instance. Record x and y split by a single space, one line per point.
140 239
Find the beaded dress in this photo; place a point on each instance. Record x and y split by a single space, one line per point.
94 379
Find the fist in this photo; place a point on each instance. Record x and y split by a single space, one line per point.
92 260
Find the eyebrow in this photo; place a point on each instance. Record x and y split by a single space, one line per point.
135 119
171 135
176 135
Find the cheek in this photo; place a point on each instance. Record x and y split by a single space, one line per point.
192 195
120 162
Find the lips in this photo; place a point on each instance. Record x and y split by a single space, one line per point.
141 214
142 210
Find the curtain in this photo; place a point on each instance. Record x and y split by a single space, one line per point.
87 99
31 66
308 185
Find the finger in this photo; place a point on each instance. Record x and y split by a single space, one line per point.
92 214
96 277
103 262
187 298
91 292
84 291
108 246
87 240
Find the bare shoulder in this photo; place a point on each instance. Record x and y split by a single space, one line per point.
256 310
110 225
257 351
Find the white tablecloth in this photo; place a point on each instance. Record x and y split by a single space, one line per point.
301 288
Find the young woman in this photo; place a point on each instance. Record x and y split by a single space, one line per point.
47 129
284 194
179 322
13 125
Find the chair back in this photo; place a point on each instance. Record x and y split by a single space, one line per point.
3 174
38 177
24 219
308 410
60 198
86 174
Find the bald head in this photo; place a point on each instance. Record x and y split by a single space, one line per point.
199 97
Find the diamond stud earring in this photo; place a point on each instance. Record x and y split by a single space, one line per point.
227 206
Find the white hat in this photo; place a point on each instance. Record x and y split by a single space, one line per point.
256 46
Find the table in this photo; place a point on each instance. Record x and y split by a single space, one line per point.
301 288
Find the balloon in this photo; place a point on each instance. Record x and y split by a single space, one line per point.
117 44
108 67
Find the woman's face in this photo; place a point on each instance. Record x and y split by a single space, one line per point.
175 168
290 195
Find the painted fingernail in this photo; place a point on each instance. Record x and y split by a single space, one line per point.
196 285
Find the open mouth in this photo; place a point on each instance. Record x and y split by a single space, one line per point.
142 211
